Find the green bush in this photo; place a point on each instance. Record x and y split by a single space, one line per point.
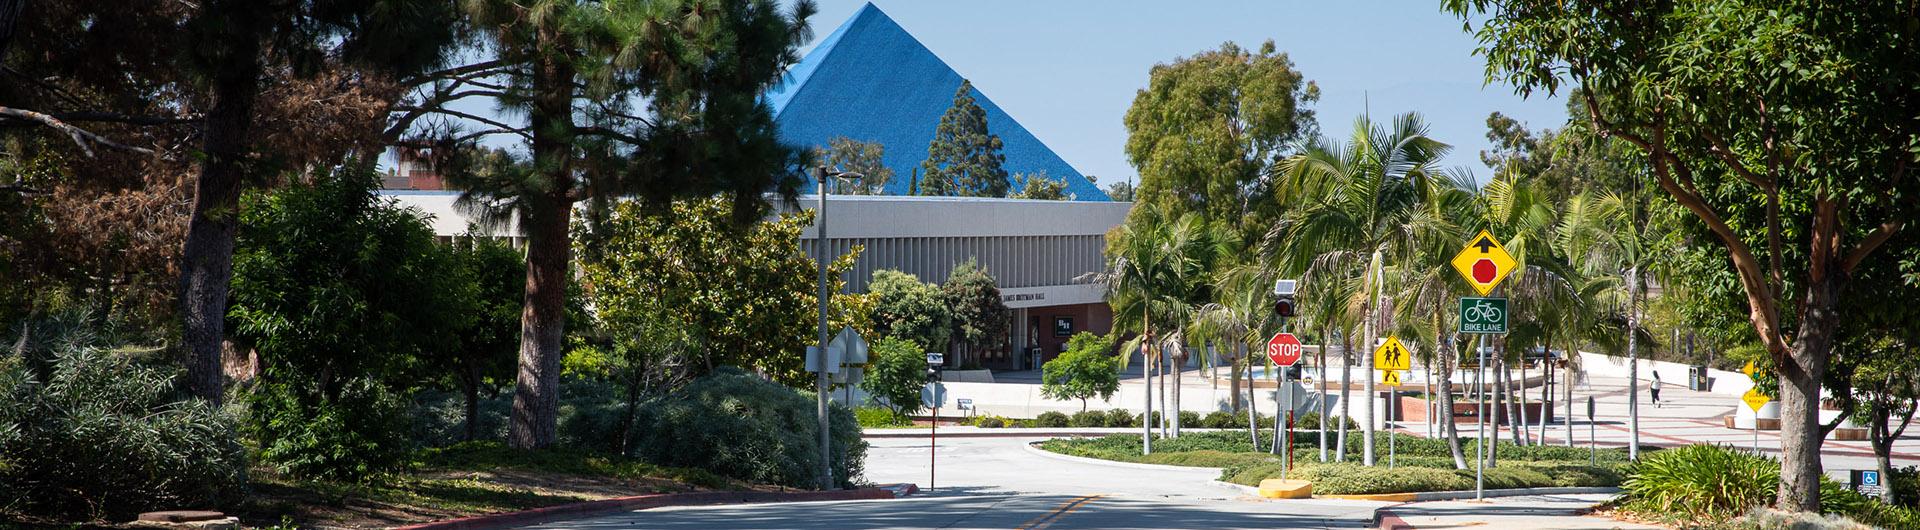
438 417
1088 369
990 422
880 418
1085 418
1054 419
741 426
897 374
1311 422
1702 482
1221 419
1121 418
1706 484
104 437
1190 418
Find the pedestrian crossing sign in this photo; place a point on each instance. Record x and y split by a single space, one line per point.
1755 399
1392 356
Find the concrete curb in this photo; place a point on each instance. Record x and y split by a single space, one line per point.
642 502
1009 433
1031 448
1425 496
1385 519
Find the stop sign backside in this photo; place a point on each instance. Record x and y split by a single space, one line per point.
1284 349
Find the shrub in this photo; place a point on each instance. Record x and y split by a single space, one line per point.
1701 482
898 373
1056 419
1121 418
1311 422
990 422
1190 418
1221 419
1088 369
1088 419
741 426
880 417
439 417
105 437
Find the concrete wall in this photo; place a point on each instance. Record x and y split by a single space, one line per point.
1671 373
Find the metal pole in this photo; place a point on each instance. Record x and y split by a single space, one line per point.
1285 413
820 383
933 442
1480 445
1756 431
1392 408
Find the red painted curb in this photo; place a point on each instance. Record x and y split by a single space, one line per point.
1389 521
642 502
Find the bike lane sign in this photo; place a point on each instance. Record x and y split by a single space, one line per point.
1483 315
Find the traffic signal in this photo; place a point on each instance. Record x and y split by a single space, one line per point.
1283 304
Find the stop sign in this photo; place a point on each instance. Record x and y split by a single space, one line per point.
1284 349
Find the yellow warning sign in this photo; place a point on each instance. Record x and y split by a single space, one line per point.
1484 263
1391 377
1755 399
1748 370
1392 356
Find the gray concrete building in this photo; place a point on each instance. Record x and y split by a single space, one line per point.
1038 251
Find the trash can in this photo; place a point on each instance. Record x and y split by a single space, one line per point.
1697 378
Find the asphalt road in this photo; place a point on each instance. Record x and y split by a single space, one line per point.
997 483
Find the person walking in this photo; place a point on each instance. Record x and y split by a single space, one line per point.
1656 390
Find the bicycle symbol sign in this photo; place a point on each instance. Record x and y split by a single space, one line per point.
1483 315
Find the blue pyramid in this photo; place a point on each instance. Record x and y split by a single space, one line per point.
872 81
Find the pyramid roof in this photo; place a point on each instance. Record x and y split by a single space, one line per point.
872 81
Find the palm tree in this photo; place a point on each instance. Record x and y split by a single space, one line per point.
1240 314
1428 289
1614 242
1352 207
1151 269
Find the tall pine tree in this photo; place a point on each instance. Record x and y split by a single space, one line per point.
964 159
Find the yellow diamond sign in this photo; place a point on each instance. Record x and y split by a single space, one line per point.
1392 356
1391 377
1484 263
1755 399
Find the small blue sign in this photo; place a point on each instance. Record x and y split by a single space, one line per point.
1870 478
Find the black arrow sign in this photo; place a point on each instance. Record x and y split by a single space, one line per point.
1485 244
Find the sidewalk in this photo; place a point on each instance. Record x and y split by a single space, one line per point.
1541 512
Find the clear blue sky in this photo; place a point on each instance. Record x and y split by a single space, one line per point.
1068 69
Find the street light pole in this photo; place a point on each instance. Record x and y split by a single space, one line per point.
820 385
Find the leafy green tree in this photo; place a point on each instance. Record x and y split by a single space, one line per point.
1038 186
1121 191
1088 369
854 156
576 69
746 294
485 356
1765 121
980 319
897 373
964 157
237 75
1208 128
342 318
906 308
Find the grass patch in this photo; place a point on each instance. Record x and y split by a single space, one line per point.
1421 464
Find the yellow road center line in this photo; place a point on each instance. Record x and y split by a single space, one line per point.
1047 518
1063 513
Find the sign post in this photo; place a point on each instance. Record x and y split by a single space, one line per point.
1392 378
1484 264
933 394
1755 400
1284 349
